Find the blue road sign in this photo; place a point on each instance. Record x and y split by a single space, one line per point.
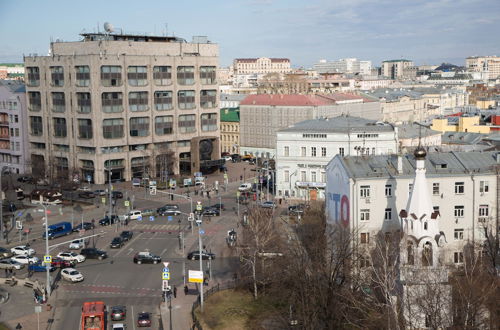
202 232
170 218
139 218
151 218
165 270
89 178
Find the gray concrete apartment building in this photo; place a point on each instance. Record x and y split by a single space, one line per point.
123 102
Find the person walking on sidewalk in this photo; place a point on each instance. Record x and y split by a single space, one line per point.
175 291
186 290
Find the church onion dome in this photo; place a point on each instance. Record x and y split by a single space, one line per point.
420 153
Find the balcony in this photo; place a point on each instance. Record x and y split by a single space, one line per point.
4 123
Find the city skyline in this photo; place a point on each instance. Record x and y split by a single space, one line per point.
304 32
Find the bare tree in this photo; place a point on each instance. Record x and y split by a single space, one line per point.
164 159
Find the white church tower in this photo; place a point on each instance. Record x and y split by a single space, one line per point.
423 276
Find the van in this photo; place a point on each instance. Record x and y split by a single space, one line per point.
135 214
58 230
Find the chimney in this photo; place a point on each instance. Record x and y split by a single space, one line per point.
400 164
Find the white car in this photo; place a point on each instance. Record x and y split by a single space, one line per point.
22 250
24 259
227 158
84 188
245 186
135 214
77 244
10 264
119 326
71 256
72 275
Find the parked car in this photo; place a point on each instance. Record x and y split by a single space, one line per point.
83 188
245 187
195 255
71 256
100 192
108 220
227 158
24 259
296 209
22 250
169 209
148 212
144 319
218 206
268 204
126 235
72 275
60 263
86 194
10 264
236 158
146 258
93 253
4 253
118 313
25 179
135 215
116 194
78 244
85 226
41 267
119 326
210 212
116 243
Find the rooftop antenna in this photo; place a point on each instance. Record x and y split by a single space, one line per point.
166 29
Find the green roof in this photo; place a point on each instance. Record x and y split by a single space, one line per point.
12 64
230 114
400 60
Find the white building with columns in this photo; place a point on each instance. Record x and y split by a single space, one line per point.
304 149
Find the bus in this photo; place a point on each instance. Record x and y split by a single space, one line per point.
93 315
52 197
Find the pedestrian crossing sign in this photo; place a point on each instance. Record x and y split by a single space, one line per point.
165 276
139 218
47 259
127 203
151 218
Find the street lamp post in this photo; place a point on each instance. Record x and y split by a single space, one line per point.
47 268
198 221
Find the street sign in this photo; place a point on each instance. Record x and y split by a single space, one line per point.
126 203
38 309
164 285
165 275
191 218
103 200
152 190
191 215
170 218
139 218
19 225
166 269
202 232
225 176
151 218
166 263
47 259
238 194
199 207
195 276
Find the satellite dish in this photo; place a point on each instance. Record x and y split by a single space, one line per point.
108 27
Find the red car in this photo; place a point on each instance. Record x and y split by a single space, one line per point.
144 319
59 263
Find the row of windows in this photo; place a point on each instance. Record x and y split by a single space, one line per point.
137 101
139 126
8 105
111 75
484 187
303 176
303 151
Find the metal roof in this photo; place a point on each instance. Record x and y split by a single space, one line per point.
340 124
411 131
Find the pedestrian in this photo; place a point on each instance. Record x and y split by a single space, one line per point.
205 281
175 291
241 177
208 193
186 290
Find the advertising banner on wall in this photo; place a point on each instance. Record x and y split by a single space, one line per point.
337 194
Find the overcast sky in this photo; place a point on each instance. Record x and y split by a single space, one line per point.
428 32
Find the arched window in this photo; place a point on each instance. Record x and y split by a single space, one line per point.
425 225
410 252
427 254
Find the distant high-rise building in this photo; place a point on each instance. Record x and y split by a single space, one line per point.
488 65
135 105
395 69
262 65
345 65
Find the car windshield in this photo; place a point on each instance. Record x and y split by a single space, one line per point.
143 316
74 272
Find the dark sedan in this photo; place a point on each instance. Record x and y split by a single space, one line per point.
86 194
210 212
116 243
118 313
117 194
195 255
85 226
93 253
144 319
126 235
108 221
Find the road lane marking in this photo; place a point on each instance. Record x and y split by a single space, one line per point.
162 252
96 277
130 250
132 315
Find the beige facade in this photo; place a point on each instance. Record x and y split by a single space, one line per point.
120 102
230 130
262 65
488 65
397 69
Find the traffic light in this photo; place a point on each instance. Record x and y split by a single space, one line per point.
171 197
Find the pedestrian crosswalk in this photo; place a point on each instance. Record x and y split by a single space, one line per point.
158 227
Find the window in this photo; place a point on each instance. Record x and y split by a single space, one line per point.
16 130
286 175
484 186
388 214
410 188
163 100
207 75
459 187
185 75
303 151
186 100
60 127
58 102
323 177
112 102
484 210
364 261
286 151
458 257
459 211
138 101
84 128
364 191
187 123
164 125
16 118
208 98
137 75
435 188
35 101
323 151
112 128
139 126
365 238
341 152
162 75
82 76
388 190
111 75
36 125
209 122
33 73
313 176
458 234
365 214
313 151
303 176
83 103
57 76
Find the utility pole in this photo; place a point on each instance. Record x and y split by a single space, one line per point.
47 268
198 221
111 200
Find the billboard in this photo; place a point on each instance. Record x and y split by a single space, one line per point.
337 193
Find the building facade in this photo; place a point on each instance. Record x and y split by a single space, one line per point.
304 149
344 65
261 65
489 66
395 69
122 102
230 130
14 145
